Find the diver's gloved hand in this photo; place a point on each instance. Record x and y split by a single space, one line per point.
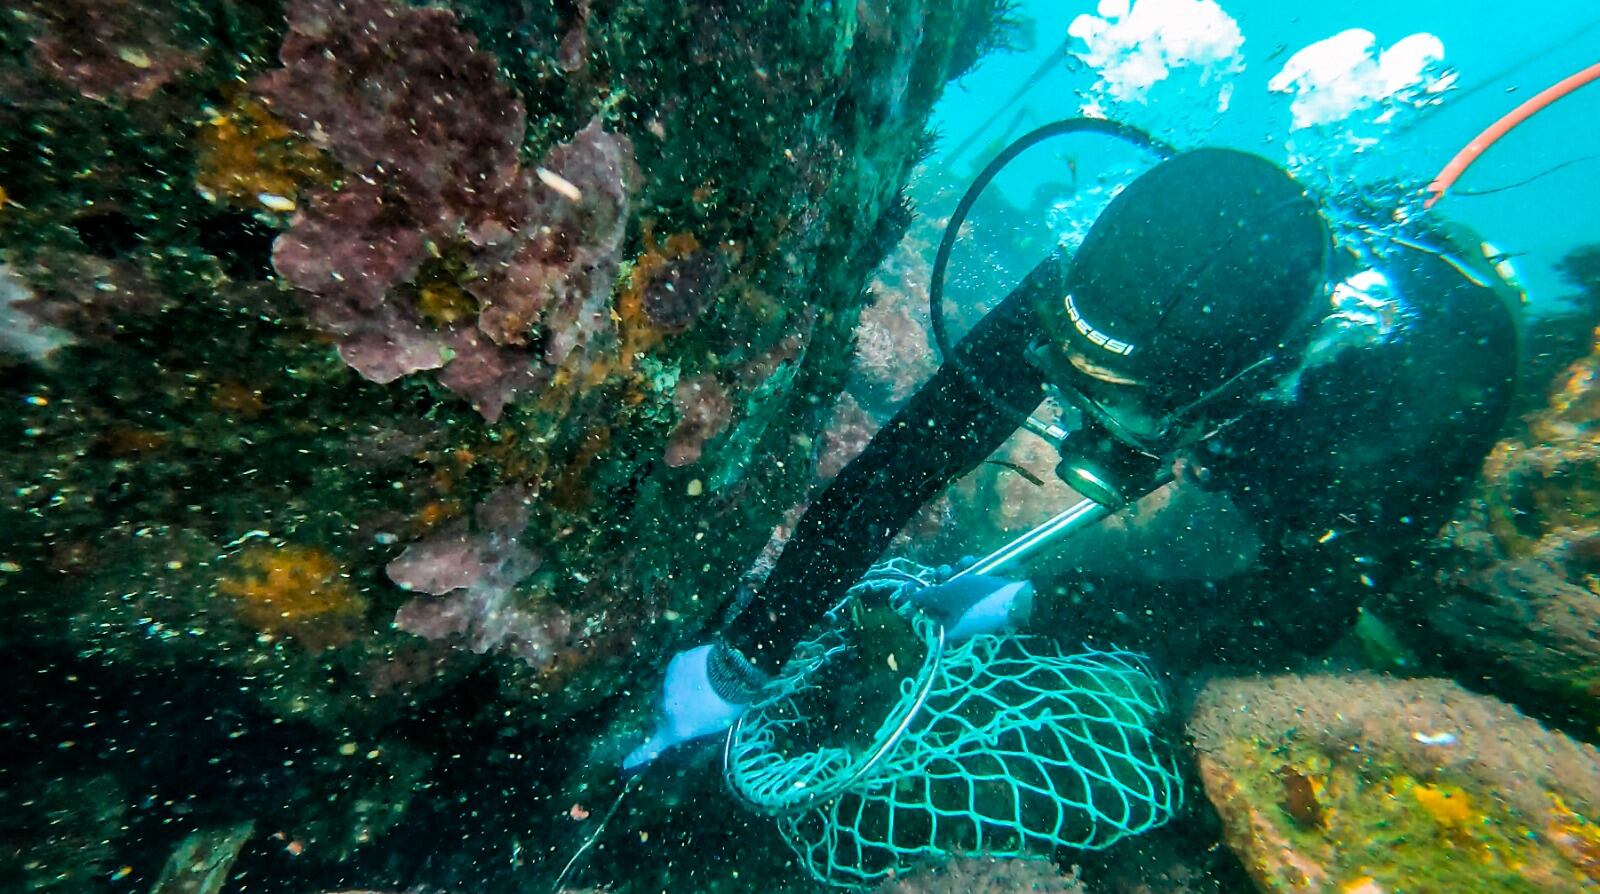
706 689
975 604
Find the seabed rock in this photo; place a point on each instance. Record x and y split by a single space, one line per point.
202 862
1365 784
1511 590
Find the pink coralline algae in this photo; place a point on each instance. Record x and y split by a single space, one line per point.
703 412
567 220
469 574
848 432
106 49
349 248
403 91
893 346
486 374
402 98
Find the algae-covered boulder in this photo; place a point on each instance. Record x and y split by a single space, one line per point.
1366 784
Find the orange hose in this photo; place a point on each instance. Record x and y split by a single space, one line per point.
1480 143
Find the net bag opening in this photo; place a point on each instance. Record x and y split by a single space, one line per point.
1001 745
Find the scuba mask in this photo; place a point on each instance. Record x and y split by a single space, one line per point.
1193 293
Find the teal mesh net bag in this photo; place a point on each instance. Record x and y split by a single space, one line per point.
1000 745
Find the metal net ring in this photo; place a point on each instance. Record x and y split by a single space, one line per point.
770 782
1000 745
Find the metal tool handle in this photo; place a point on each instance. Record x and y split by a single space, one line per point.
1069 521
1083 514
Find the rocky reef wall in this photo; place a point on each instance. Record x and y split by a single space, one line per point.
392 385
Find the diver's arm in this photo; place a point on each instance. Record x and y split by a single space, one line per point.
941 433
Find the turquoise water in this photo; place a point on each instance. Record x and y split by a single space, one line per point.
1503 56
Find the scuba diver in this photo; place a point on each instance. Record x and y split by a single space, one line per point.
1239 365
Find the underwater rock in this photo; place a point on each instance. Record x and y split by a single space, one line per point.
1581 268
103 50
21 333
62 298
894 347
850 429
1529 622
894 350
1372 784
1510 588
1184 858
703 412
59 834
985 875
203 860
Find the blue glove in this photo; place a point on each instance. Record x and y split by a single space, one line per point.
706 689
976 604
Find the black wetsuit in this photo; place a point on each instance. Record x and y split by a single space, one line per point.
1342 483
941 433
